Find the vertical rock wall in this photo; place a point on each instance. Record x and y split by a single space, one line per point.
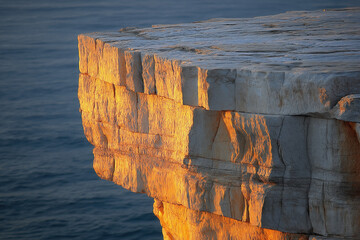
231 146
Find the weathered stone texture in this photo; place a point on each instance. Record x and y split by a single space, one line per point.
182 223
232 137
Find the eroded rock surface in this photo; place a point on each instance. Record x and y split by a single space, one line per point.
238 128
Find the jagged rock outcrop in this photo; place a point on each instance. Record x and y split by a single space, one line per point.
238 128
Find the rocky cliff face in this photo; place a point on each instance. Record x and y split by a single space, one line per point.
238 128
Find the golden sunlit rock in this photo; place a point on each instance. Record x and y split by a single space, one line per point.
182 223
231 145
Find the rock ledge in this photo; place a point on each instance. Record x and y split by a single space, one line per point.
238 128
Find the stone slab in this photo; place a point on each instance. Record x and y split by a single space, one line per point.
292 63
253 124
261 169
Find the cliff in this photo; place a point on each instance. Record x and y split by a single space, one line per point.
238 128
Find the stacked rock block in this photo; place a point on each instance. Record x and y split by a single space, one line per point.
238 128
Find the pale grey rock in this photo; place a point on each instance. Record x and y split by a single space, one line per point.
292 63
294 93
334 196
252 119
190 85
218 89
291 173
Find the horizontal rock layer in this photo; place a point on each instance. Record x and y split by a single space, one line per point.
293 63
284 151
244 166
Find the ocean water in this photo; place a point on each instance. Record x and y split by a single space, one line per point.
48 189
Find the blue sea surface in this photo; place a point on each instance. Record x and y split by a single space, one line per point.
48 189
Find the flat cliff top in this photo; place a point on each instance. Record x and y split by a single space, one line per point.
295 63
314 41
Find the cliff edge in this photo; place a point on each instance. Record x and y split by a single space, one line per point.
238 128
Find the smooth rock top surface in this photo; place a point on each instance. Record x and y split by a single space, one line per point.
292 63
318 41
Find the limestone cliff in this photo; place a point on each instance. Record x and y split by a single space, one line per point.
238 128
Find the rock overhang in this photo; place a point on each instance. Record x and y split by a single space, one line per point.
251 119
